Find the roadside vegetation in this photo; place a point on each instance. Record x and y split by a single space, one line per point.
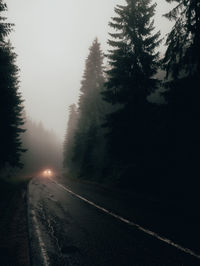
136 123
11 102
17 133
14 246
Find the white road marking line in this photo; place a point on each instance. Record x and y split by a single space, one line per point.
148 232
41 243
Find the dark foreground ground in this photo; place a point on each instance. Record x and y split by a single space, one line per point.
14 242
67 230
176 220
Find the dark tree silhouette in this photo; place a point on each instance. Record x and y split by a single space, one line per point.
88 148
182 57
10 99
68 147
133 63
182 63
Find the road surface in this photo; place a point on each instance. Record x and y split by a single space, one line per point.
71 224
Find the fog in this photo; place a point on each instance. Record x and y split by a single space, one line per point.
52 39
103 107
44 150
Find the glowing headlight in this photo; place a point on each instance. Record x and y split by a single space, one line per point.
47 172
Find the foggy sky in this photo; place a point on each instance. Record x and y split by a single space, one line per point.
52 39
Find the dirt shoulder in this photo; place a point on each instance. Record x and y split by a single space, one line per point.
14 240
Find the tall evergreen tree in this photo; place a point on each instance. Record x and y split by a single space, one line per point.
91 109
182 63
91 85
133 63
68 147
10 99
182 57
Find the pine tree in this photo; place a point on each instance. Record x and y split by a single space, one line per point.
91 84
182 63
133 63
10 99
182 57
68 147
91 109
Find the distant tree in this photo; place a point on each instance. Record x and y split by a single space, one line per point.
10 99
133 63
91 85
91 110
68 147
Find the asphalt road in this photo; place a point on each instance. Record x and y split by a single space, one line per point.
72 223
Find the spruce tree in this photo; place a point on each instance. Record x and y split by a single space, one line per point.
91 84
90 112
133 62
68 147
182 57
182 63
10 99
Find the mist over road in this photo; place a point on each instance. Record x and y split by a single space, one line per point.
73 223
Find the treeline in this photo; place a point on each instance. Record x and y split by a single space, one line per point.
24 144
117 133
11 103
84 147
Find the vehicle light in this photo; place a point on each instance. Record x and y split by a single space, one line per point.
47 173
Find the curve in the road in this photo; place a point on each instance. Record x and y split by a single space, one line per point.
146 231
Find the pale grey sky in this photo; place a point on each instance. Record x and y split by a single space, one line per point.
51 38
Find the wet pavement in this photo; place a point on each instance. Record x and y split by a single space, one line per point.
66 227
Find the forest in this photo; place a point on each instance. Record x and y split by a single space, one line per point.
26 146
136 122
128 164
